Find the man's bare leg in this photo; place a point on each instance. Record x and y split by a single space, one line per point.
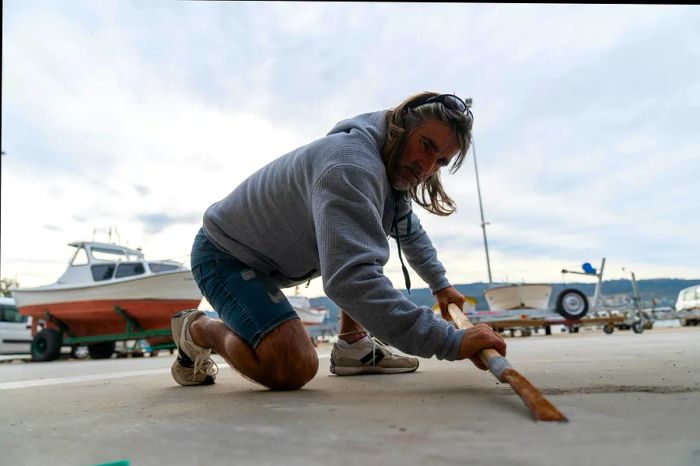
350 331
284 359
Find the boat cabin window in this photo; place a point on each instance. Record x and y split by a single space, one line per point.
11 314
104 254
157 267
102 272
80 257
127 270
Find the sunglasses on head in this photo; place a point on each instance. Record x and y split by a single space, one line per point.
450 101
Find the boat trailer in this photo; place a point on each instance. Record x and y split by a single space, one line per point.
47 343
531 320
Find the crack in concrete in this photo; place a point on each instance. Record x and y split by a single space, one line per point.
620 389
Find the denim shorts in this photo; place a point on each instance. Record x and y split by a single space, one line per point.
247 300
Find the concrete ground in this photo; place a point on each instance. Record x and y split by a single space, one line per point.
631 399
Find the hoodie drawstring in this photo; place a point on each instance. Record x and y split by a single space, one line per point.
406 277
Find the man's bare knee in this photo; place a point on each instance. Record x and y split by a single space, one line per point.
292 378
287 358
289 371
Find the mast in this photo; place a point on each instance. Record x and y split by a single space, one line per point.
481 206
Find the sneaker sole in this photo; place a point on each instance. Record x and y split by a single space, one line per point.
208 380
372 370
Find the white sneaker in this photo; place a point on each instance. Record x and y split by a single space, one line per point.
193 365
368 356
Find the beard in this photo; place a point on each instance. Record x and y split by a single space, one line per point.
404 178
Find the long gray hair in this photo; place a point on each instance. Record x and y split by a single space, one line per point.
401 122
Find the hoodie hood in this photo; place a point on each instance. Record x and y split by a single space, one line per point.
372 125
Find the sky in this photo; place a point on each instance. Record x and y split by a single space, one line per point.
138 115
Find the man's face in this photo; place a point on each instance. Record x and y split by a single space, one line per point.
429 148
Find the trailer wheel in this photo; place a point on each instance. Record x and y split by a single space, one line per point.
78 352
101 350
572 304
608 328
46 345
638 326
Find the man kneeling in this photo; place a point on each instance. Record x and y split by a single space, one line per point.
327 209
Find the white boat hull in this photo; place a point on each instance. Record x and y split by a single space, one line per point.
307 314
523 296
178 285
310 316
100 309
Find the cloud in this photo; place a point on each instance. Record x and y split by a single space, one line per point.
141 189
155 223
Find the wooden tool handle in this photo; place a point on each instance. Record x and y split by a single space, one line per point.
539 406
462 322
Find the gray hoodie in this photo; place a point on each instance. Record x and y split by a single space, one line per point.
326 209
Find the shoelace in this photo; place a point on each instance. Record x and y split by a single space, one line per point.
376 343
206 364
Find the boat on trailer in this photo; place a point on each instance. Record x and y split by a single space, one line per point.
108 293
309 315
518 296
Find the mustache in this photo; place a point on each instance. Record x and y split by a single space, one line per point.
416 172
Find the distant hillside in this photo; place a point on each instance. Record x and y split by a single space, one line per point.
664 292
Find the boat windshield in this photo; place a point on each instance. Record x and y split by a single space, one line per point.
80 257
112 255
